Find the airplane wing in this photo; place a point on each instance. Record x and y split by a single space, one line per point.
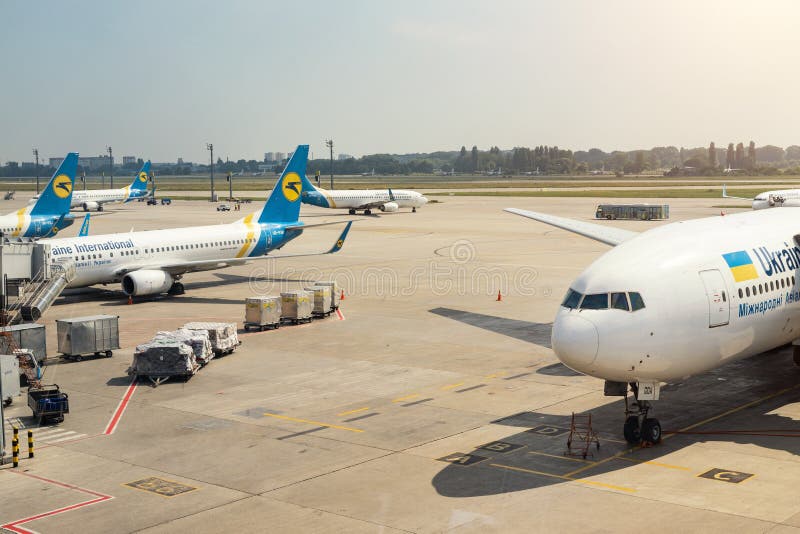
605 234
210 265
726 195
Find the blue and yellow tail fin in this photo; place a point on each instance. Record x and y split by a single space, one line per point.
283 204
56 197
140 180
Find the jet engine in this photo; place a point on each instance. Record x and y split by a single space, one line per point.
90 205
390 207
146 282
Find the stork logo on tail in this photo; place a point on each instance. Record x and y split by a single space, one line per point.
292 186
62 186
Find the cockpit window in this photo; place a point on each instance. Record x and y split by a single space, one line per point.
636 301
619 301
572 299
598 301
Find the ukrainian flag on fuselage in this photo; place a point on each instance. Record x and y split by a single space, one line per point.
741 266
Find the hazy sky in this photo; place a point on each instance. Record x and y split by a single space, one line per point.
159 79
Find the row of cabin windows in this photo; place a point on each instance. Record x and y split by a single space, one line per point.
760 289
630 301
169 248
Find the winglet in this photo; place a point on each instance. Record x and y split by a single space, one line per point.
340 242
724 191
391 195
85 226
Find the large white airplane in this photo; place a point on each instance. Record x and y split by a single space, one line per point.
152 262
363 199
782 198
677 300
93 199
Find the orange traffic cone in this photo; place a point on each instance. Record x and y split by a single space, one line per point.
130 299
499 297
722 214
342 296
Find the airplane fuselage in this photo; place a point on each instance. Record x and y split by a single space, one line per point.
714 290
355 199
785 198
104 259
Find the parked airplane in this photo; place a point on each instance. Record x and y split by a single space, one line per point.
786 198
152 262
50 212
677 300
364 199
93 199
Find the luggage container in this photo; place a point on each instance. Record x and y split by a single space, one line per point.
94 334
25 336
160 360
9 378
321 303
296 306
262 312
335 292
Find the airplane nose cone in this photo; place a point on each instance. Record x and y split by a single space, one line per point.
423 200
575 341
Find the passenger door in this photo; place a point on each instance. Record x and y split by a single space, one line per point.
719 308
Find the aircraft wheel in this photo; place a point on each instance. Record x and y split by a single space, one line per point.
351 212
100 207
367 212
651 430
631 430
177 289
413 210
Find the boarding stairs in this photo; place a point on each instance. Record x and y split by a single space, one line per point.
39 293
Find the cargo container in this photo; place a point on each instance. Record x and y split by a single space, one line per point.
94 334
321 300
262 312
296 306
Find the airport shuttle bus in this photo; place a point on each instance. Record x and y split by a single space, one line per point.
642 212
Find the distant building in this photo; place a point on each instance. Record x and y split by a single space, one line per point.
90 163
289 155
279 156
180 161
269 157
342 157
28 165
128 160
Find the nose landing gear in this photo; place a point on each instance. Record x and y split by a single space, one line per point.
639 428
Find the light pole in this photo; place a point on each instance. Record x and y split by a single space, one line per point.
230 186
210 147
329 144
111 166
36 155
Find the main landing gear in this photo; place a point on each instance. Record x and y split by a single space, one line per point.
639 428
367 212
351 211
176 289
413 210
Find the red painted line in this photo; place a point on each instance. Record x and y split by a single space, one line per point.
340 314
112 424
14 526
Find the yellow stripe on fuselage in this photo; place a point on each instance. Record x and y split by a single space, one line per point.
744 272
248 221
20 222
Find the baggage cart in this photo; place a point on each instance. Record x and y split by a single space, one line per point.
321 300
262 312
94 334
49 403
296 306
224 337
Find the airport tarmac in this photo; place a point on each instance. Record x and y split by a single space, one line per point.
426 406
